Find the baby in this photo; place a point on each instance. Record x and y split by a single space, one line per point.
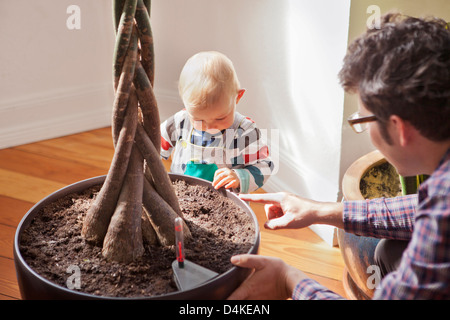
208 138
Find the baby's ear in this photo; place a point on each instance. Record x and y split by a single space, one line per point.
240 94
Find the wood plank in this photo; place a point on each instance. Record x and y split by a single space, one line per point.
68 148
7 241
166 164
65 171
101 137
24 187
8 280
3 297
12 210
316 259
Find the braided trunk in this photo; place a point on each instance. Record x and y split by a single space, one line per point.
137 199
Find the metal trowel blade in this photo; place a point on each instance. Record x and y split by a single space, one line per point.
190 275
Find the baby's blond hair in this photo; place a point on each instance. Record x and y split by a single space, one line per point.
206 78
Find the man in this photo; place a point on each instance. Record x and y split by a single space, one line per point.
401 73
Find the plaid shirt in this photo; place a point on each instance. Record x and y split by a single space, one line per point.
424 220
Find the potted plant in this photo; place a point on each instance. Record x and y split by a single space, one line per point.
357 251
34 285
137 190
370 176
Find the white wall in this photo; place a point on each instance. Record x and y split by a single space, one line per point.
53 81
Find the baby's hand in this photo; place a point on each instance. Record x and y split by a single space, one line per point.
225 177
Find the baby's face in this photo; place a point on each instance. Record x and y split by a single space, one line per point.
214 118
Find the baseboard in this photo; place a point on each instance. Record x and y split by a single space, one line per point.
53 114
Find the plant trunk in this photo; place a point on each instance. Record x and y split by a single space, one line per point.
123 241
137 199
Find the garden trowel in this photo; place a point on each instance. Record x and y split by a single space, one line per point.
187 274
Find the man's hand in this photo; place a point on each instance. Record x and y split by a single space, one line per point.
271 278
289 211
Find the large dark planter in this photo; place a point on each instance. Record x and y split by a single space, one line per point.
34 286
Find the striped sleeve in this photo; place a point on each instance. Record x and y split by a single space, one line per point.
253 165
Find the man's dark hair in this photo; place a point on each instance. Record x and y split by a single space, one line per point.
403 68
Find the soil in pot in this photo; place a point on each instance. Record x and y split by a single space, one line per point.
380 181
52 244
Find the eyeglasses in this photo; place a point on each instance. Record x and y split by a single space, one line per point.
359 123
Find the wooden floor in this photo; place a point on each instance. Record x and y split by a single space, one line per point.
30 172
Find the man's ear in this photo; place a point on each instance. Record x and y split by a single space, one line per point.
240 94
403 129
